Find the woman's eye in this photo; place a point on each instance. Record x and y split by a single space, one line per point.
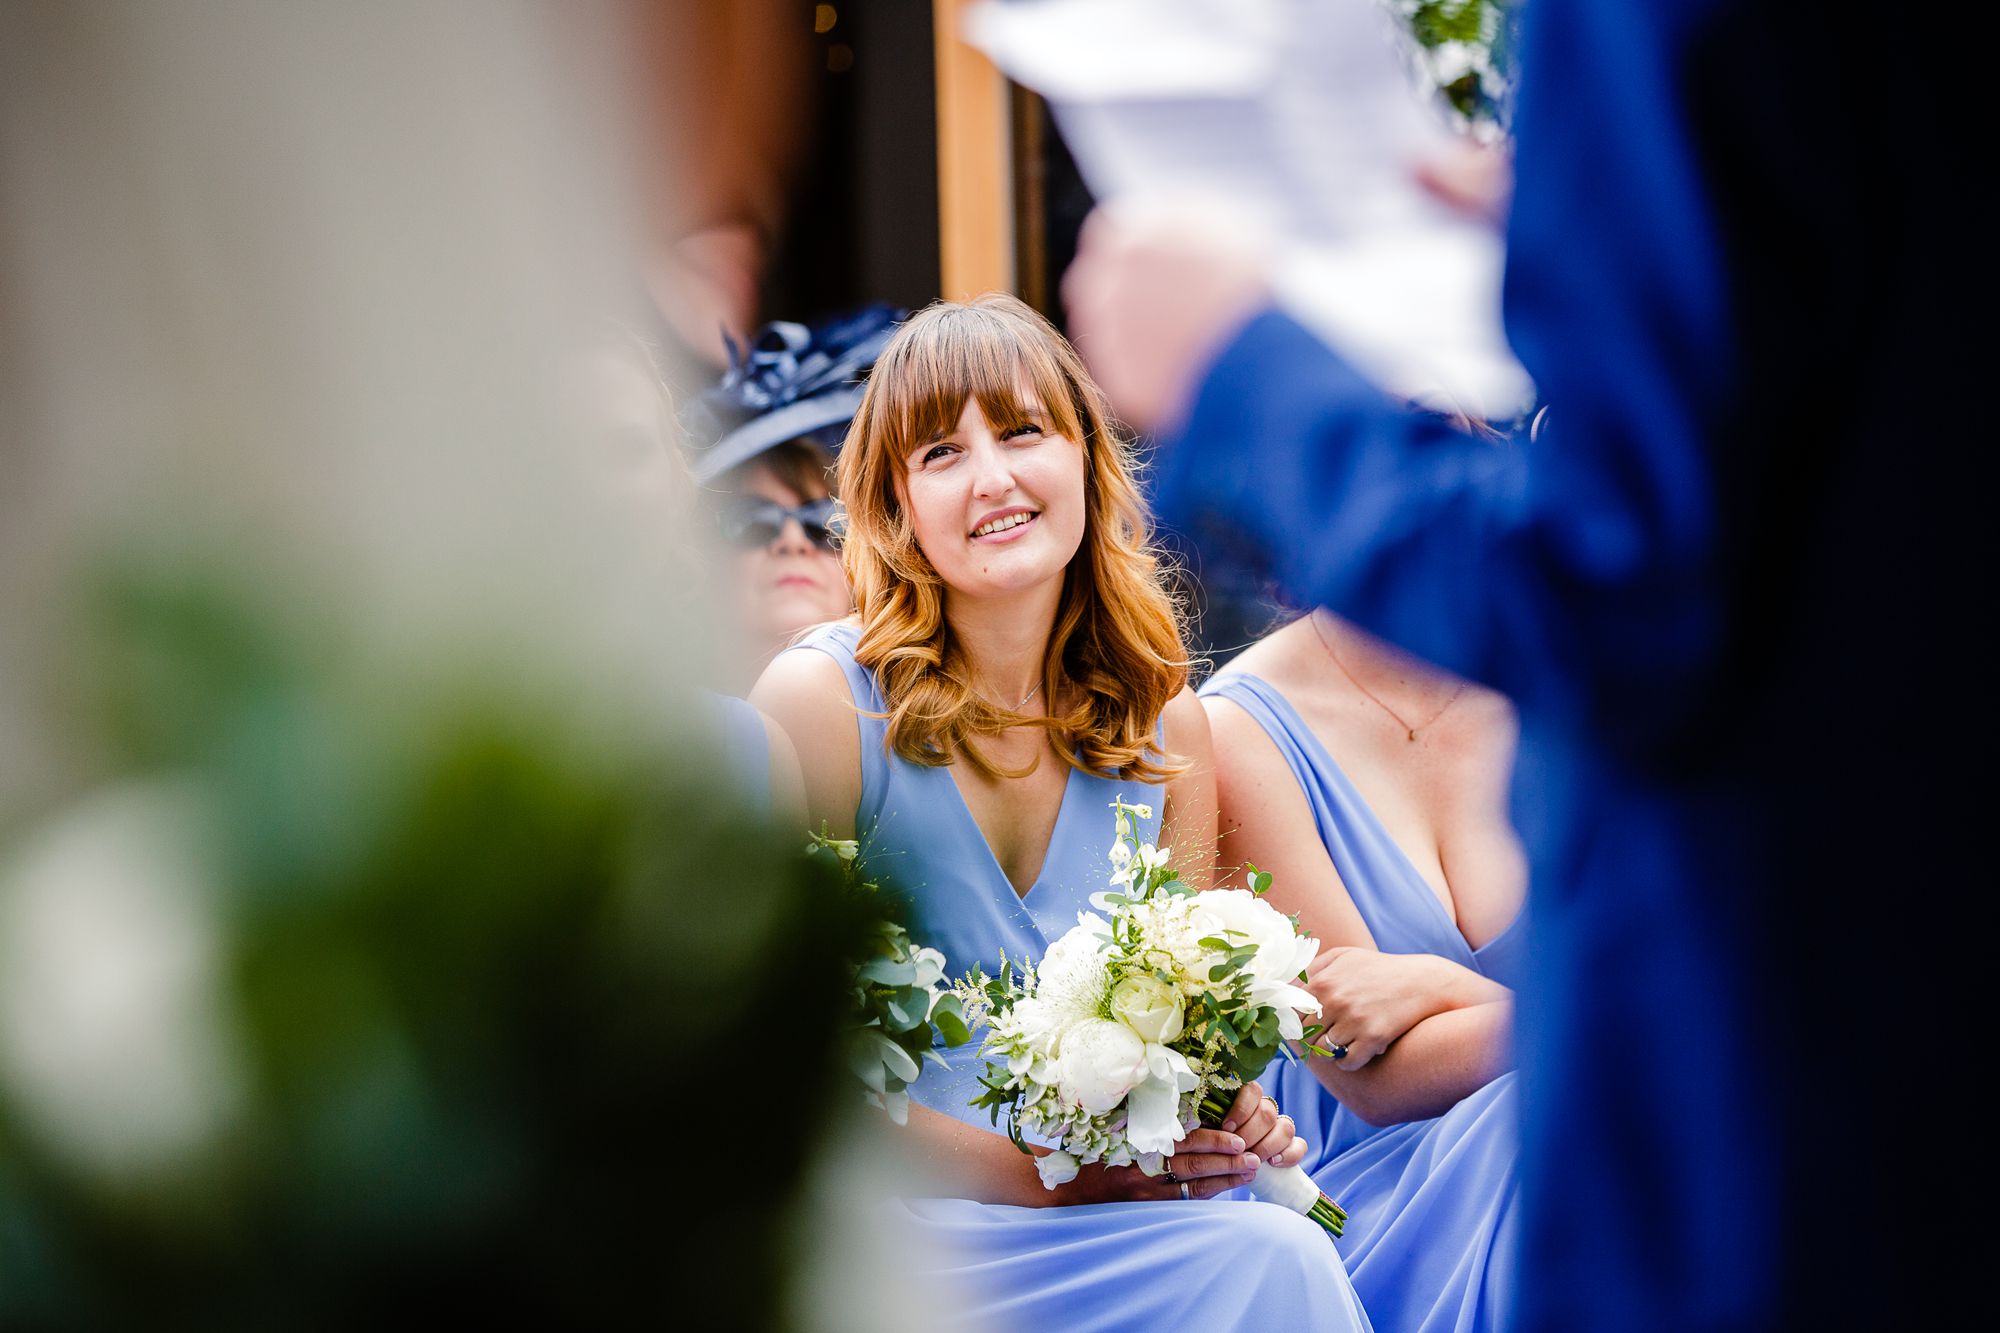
934 452
1025 428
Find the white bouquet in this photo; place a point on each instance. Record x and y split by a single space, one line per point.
1141 1023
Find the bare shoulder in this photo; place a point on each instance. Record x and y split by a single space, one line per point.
1184 724
805 693
1243 752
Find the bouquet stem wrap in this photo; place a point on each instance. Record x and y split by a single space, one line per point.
1287 1186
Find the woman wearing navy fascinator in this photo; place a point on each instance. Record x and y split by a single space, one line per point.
763 440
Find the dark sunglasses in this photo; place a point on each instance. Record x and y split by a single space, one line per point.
752 523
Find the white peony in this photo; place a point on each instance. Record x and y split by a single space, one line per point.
1243 918
1149 1006
1101 1061
1074 978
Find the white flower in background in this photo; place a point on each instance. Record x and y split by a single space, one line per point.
1101 1062
1056 1168
1243 918
930 965
1141 811
1149 1006
114 1045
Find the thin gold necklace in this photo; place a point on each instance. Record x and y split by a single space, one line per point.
1017 707
1408 730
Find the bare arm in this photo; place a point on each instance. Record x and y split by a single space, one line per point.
1430 1068
1406 1060
805 694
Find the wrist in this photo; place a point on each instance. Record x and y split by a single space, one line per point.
1456 987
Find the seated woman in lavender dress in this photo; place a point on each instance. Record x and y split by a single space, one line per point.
1400 858
1016 662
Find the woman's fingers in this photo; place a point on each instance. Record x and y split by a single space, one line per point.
1247 1102
1283 1133
1209 1186
1294 1153
1212 1141
1203 1165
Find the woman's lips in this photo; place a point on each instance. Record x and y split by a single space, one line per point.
1008 534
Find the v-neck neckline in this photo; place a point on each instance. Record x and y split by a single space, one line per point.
992 859
1310 738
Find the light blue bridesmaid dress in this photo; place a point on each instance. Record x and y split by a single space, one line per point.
1433 1206
1114 1266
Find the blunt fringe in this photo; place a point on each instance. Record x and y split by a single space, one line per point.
1116 653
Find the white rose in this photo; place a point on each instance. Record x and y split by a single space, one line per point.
1148 1006
1100 1062
1056 1168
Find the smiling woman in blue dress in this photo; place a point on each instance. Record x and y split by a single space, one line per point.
1016 662
1374 789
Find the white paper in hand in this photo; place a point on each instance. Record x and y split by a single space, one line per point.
1303 116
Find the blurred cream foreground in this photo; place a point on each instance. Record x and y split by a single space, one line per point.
378 919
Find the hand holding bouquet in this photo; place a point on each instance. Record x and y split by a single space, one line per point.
898 1003
1137 1025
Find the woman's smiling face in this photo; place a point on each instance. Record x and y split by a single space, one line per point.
997 508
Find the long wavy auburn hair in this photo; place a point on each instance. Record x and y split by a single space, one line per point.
1116 653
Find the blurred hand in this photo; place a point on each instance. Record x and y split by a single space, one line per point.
708 283
1474 178
1153 296
1369 999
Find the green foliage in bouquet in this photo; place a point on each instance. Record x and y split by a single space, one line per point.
899 1008
1467 53
465 968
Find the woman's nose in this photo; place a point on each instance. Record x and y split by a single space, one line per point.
993 476
791 539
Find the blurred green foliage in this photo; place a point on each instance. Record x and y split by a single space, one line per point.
1469 53
536 1022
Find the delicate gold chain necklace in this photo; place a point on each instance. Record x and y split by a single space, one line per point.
1017 707
1409 731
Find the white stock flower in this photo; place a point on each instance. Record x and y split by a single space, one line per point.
1100 1062
1056 1168
1121 853
1149 1006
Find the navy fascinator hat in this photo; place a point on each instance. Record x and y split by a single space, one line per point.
791 381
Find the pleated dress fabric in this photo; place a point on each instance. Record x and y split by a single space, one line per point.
1097 1268
1433 1205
